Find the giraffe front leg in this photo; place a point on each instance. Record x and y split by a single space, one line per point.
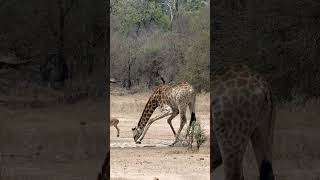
148 125
144 132
169 120
215 153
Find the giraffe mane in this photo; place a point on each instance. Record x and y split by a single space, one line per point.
145 107
155 90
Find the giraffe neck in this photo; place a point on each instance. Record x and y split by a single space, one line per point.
151 105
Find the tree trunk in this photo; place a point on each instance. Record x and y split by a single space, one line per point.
129 75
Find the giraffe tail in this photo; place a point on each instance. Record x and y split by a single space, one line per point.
192 110
266 171
272 117
192 120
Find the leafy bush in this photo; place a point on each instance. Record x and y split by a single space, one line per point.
197 133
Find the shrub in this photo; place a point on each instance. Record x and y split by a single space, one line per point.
197 133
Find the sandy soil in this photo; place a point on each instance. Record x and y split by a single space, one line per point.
42 141
56 142
296 145
154 158
296 151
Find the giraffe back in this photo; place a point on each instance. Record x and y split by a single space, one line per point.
177 95
237 93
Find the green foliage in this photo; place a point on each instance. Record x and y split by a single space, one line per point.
197 65
157 50
193 5
153 11
134 13
197 133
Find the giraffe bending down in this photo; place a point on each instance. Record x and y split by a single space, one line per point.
242 110
114 122
178 97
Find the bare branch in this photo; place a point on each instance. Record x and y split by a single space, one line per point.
170 10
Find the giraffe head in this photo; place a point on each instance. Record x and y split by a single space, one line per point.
136 131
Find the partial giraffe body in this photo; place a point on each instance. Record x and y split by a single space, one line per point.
105 168
114 122
178 97
242 111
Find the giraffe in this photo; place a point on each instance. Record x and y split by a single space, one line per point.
241 110
114 122
178 97
105 168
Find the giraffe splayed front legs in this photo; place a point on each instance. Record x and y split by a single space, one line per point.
178 97
242 110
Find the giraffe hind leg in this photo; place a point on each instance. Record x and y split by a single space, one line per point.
183 121
192 120
174 114
262 140
193 115
216 161
191 126
232 148
233 160
266 170
262 149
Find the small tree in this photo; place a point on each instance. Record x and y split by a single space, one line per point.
196 132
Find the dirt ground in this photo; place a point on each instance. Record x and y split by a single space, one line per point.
46 141
296 150
42 141
154 158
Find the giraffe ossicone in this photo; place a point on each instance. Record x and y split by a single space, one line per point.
177 97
